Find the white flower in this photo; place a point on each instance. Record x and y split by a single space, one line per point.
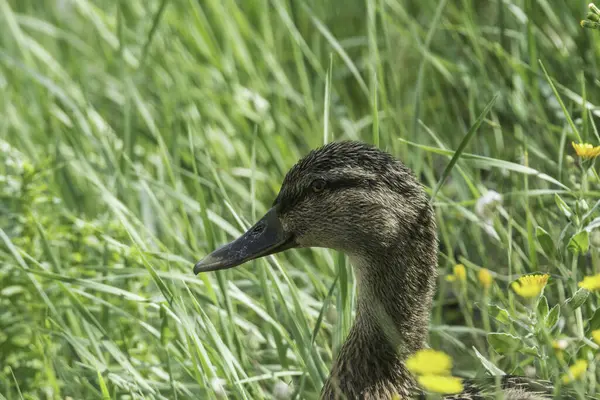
218 386
487 204
530 371
331 315
485 208
259 103
561 344
282 391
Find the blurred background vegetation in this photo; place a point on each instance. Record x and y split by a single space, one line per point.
136 136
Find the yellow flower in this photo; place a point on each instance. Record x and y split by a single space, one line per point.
441 384
429 362
530 285
433 371
460 274
596 336
576 371
590 282
485 278
586 150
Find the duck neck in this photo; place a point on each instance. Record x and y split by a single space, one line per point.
395 291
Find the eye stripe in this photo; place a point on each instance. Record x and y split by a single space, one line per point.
347 182
286 200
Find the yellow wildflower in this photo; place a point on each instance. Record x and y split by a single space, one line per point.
590 282
576 371
596 336
530 285
429 362
586 150
460 274
485 278
441 384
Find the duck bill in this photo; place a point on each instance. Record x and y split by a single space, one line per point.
266 237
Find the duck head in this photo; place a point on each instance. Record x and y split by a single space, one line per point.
347 196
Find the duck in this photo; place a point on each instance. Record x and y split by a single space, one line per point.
354 198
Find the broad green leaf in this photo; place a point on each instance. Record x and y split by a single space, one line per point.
545 241
552 317
594 322
562 206
532 350
542 307
504 343
499 314
581 206
578 299
579 243
488 365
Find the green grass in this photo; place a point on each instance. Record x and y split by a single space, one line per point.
136 136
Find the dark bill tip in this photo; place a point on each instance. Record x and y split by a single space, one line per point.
208 263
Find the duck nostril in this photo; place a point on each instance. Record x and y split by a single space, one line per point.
258 229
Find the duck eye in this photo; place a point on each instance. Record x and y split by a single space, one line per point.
318 185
